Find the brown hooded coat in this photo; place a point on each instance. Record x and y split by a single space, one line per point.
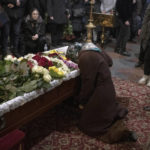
98 91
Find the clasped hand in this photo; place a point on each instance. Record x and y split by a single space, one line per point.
35 37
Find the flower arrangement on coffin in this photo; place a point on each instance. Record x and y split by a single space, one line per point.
16 78
31 72
55 54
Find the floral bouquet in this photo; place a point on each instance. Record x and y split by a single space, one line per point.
31 72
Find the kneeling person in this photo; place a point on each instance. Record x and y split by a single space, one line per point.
102 115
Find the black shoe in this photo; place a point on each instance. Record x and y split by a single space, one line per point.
139 64
146 108
124 53
117 50
131 136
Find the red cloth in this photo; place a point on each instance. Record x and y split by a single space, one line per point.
12 139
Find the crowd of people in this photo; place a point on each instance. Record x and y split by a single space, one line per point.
25 23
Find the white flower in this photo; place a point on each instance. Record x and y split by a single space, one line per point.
34 69
45 71
37 75
10 58
40 70
37 69
33 61
47 78
29 56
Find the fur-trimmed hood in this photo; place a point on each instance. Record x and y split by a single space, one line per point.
29 19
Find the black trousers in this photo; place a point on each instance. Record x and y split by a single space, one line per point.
146 54
123 36
14 32
56 31
4 38
144 57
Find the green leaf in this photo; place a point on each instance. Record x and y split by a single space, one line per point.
29 86
10 88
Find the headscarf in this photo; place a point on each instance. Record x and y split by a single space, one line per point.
90 47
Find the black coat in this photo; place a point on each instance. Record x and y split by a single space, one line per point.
17 12
77 21
30 28
124 9
58 9
38 4
3 17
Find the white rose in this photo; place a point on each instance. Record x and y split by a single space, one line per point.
8 58
34 69
40 69
29 56
14 59
45 71
47 78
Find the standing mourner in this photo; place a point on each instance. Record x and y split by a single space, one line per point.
107 6
136 20
15 10
102 115
141 59
145 48
97 30
124 10
77 14
33 32
58 14
4 28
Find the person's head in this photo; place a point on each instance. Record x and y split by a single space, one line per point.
90 47
34 14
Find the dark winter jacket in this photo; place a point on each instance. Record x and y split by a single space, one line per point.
124 9
59 10
30 28
16 12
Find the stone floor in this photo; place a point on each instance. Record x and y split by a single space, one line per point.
124 67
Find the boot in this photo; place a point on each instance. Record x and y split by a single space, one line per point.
124 53
143 80
118 132
139 64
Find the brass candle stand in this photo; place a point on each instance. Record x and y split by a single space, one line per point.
90 26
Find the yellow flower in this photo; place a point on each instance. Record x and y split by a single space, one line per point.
60 73
53 51
52 68
20 58
63 57
56 70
